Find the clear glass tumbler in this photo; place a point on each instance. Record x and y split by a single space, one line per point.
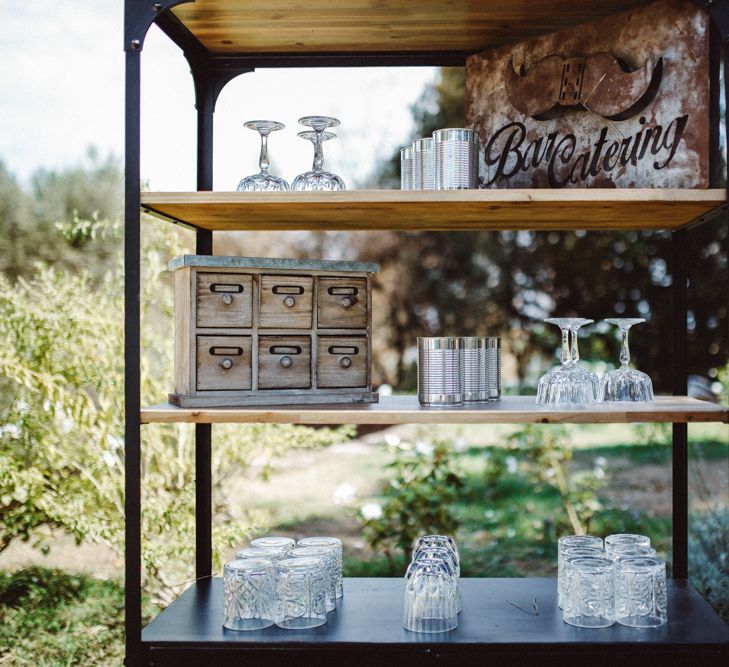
591 583
270 553
273 542
249 594
333 543
623 551
430 597
329 565
442 553
301 591
625 540
563 587
640 592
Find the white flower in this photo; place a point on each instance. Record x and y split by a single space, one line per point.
600 462
23 407
425 448
392 439
510 533
489 514
114 441
13 430
344 494
67 424
599 472
460 445
108 458
371 511
512 465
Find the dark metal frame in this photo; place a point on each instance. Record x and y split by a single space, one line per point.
210 74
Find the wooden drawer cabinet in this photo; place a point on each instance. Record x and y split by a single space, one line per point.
224 300
252 331
342 303
342 361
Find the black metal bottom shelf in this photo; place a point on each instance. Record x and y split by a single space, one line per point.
367 629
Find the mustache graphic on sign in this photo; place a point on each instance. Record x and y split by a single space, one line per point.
599 83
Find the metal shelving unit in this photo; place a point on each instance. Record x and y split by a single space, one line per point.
224 38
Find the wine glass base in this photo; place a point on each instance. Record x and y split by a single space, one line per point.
262 183
567 386
318 181
626 385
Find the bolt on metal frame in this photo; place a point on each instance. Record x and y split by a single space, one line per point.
210 74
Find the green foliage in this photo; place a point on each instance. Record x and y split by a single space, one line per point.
62 416
49 618
417 500
549 452
709 558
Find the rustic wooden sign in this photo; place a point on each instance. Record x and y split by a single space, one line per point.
622 102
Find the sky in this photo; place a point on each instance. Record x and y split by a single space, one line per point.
62 90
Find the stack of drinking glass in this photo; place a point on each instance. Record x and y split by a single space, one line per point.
276 581
619 581
572 383
432 586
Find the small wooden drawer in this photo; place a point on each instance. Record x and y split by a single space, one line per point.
224 300
223 363
284 362
286 302
342 303
341 361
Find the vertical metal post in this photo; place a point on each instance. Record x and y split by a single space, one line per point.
679 240
132 425
203 432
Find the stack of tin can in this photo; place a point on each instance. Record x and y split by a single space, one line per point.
457 370
446 161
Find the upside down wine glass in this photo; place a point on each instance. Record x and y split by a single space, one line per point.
569 383
625 383
317 178
263 181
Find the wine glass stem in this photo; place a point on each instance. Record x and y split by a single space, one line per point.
574 350
624 349
263 159
318 152
566 355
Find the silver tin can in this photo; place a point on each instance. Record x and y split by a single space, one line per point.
406 168
493 367
475 374
456 159
423 164
440 372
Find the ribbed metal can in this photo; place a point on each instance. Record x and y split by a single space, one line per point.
456 159
406 168
475 374
423 164
493 367
440 372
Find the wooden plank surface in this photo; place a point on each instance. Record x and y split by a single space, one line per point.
406 410
254 26
535 209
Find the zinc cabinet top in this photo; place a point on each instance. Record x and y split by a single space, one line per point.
270 263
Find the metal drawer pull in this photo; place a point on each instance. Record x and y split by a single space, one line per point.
226 363
345 362
343 349
227 299
286 362
289 301
284 349
226 288
288 289
221 351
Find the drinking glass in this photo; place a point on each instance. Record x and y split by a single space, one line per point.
625 551
563 580
625 539
263 181
248 594
624 383
317 178
273 542
328 560
333 543
301 590
568 384
640 592
442 553
591 602
438 541
430 597
269 553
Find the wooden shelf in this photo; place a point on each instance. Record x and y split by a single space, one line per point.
485 210
368 622
281 26
406 410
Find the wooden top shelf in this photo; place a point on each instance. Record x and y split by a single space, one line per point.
484 210
406 410
355 26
